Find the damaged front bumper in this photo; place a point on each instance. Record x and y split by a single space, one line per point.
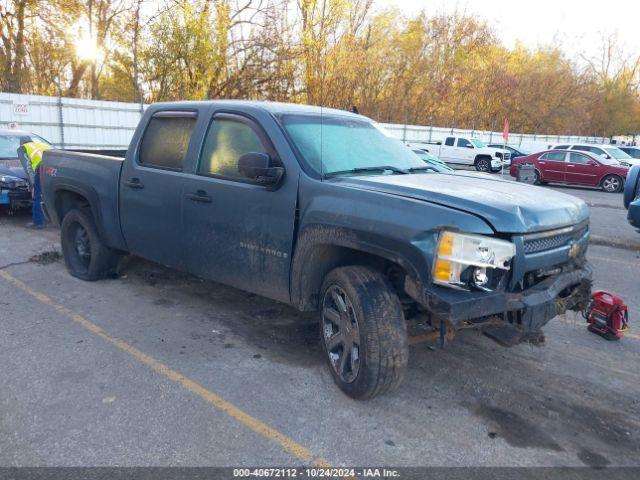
527 310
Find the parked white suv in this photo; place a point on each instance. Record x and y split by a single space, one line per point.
606 151
471 151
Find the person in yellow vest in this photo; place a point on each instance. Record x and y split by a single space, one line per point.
30 155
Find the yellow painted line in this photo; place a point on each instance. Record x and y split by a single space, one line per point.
252 423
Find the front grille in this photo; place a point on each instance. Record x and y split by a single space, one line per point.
541 242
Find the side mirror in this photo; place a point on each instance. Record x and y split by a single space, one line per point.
256 166
592 163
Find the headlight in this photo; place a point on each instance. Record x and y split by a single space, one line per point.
467 261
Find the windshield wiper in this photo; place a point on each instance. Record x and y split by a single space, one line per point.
366 169
422 169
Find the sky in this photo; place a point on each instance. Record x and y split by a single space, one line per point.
575 25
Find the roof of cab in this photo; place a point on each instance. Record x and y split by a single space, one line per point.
271 107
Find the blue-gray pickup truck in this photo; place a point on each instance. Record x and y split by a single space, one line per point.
323 210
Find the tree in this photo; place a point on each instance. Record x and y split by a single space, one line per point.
15 16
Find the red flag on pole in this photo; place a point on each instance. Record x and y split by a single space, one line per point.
505 130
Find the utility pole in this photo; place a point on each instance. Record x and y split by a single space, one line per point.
137 91
60 113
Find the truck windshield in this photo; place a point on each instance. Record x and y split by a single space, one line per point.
478 143
334 143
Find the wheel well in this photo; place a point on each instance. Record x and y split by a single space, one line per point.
324 258
66 200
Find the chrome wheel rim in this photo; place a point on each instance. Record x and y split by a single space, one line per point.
341 334
611 184
483 165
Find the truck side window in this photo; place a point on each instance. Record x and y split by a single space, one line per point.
463 142
449 141
166 140
588 149
227 140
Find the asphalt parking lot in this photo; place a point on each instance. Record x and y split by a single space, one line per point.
160 368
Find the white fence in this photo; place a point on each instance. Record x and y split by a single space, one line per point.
414 133
76 123
71 122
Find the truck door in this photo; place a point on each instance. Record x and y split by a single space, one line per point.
465 151
151 186
236 231
447 149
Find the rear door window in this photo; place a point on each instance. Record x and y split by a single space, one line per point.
166 140
449 141
554 156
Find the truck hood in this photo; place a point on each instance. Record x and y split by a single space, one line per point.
509 207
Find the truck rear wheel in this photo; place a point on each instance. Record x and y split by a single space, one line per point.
85 255
363 332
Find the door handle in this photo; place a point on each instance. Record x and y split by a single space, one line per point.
571 166
134 183
199 196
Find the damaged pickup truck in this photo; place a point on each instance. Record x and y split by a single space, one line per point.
321 209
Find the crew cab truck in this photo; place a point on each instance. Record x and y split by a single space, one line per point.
473 152
321 209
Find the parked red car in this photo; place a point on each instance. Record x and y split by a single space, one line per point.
574 168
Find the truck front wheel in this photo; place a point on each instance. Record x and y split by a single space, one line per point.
363 332
483 164
85 255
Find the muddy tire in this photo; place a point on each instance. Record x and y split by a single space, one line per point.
612 184
85 255
483 164
363 332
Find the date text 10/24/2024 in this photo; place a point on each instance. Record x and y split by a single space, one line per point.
329 473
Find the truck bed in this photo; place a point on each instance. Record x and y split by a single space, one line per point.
94 176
